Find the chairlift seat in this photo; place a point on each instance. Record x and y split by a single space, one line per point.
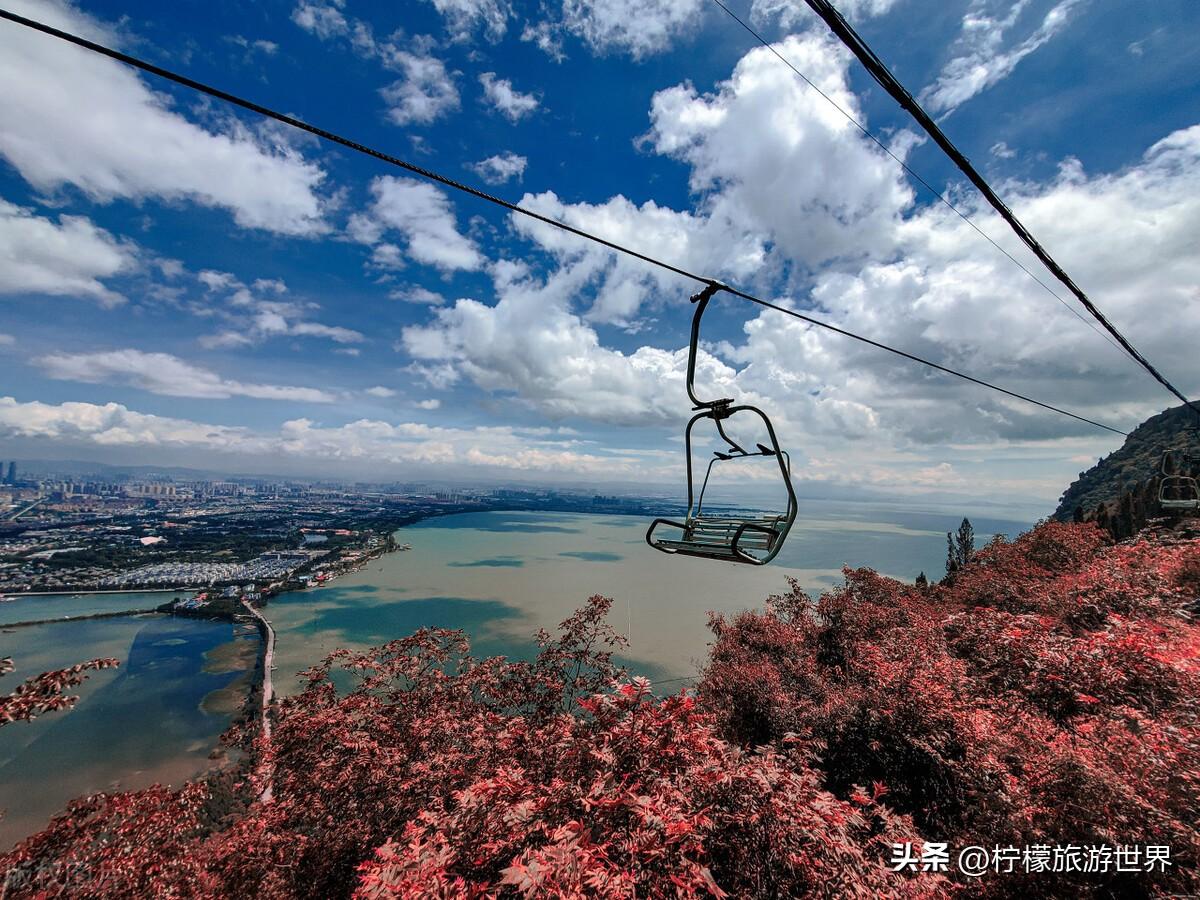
731 538
1175 490
1186 492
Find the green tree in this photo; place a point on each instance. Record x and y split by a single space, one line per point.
960 547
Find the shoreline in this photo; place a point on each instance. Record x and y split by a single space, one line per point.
16 595
99 615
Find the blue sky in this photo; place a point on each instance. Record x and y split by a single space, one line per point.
186 284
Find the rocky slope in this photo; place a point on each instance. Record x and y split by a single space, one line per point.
1135 462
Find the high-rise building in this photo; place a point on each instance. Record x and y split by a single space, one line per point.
11 478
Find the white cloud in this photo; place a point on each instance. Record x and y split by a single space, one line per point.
70 258
368 441
949 296
267 48
335 333
380 391
423 216
162 373
418 295
530 344
429 404
637 27
77 118
792 14
982 59
808 182
694 242
260 311
501 95
500 168
424 92
111 424
325 20
7 340
464 17
547 37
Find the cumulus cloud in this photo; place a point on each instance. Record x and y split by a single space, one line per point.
80 119
500 94
425 91
623 285
429 404
532 345
325 20
501 168
949 295
67 259
982 58
162 373
380 391
464 17
423 217
254 313
368 441
637 27
809 182
7 340
844 197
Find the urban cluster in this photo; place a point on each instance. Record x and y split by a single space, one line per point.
69 531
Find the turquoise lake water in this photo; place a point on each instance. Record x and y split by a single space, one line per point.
134 726
498 576
31 608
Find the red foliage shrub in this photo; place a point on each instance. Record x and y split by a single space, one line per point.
45 692
1045 695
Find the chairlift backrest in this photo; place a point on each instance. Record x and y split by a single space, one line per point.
752 539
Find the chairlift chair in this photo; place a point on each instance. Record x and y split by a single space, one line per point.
752 539
1176 491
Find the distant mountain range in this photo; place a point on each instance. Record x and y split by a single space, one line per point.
1138 459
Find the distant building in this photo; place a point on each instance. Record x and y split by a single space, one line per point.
11 477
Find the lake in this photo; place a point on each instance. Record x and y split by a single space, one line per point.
499 576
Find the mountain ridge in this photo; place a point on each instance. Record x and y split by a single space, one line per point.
1132 464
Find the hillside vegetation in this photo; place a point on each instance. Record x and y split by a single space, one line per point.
1128 468
1045 694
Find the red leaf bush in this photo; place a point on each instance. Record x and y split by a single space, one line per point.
1045 695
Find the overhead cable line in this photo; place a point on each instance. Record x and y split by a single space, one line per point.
915 175
883 75
512 207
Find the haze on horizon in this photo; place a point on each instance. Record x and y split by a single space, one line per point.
183 285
